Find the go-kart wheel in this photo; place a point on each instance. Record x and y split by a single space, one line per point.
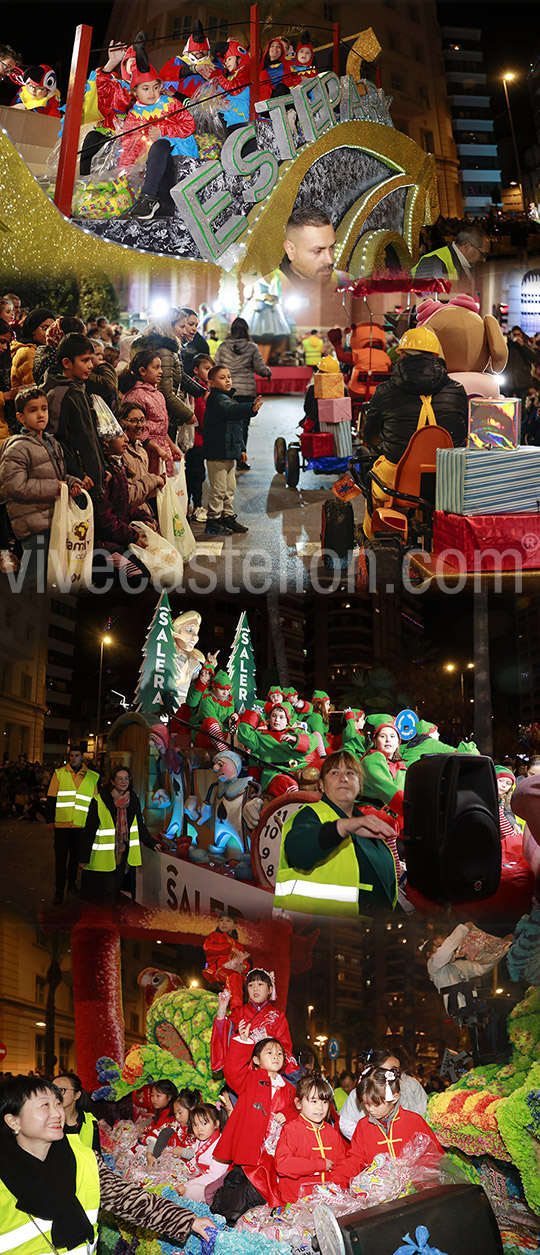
280 454
292 466
337 533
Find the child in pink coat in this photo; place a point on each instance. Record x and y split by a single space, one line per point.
142 381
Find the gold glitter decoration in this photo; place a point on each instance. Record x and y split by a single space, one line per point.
39 241
366 48
413 168
369 256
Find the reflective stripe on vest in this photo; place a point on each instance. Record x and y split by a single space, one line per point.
446 258
34 1236
72 804
102 857
332 887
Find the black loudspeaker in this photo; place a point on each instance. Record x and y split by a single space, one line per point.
451 827
458 1220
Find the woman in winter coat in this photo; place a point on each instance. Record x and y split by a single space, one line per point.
163 338
142 386
244 360
23 350
110 841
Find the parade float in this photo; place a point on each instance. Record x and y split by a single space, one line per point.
236 190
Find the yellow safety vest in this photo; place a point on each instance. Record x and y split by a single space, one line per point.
332 887
21 1234
313 350
72 804
86 1134
445 256
102 858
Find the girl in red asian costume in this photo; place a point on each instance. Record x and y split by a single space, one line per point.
207 1123
262 1019
226 961
388 1128
265 1103
309 1149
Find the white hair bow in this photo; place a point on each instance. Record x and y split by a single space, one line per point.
388 1093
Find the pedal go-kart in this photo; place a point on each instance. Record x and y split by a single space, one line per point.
405 520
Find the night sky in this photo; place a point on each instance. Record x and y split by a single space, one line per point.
44 31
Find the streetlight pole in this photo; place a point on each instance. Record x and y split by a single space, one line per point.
507 78
105 640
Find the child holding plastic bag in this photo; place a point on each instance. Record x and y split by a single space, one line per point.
116 518
140 384
388 1128
32 468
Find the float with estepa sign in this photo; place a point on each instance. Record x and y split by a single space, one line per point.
328 144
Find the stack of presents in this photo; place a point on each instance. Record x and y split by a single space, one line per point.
487 501
334 412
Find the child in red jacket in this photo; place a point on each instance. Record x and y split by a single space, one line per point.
258 1012
309 1149
226 961
388 1127
265 1102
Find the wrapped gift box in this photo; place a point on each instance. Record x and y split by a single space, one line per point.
323 446
306 444
488 481
488 542
342 438
337 410
495 424
328 386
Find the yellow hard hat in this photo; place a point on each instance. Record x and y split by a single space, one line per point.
329 365
422 340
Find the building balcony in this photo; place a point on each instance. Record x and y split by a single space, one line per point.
473 76
457 33
481 176
471 102
472 124
462 54
477 150
478 203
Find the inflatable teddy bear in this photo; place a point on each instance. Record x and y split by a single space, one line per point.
474 348
371 363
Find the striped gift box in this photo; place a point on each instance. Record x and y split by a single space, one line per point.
488 481
342 438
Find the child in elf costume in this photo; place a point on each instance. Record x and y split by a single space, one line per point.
38 91
226 961
383 770
263 1018
353 737
318 718
217 703
281 748
154 124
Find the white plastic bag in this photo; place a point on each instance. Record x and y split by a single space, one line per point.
172 514
72 543
160 558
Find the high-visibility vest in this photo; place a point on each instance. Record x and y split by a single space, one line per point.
72 804
22 1235
86 1131
313 348
332 887
446 258
102 858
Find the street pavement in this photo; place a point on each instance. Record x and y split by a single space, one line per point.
282 547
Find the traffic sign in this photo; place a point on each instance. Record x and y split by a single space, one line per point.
406 724
3 1051
333 1048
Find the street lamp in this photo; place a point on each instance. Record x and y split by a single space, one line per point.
105 640
508 78
452 666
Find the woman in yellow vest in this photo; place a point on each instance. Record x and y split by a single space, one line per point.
111 842
334 859
78 1121
52 1186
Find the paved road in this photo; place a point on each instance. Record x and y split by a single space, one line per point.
283 542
